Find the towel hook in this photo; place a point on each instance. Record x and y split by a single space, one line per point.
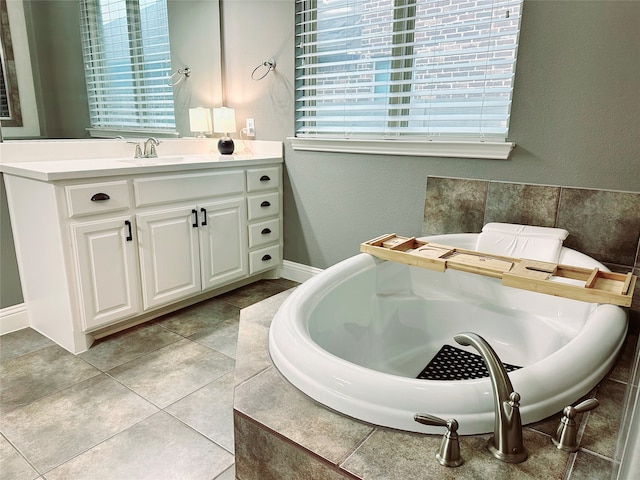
186 71
270 64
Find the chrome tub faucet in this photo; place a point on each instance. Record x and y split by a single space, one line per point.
506 443
449 453
566 437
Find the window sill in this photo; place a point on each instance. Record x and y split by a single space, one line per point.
430 148
130 133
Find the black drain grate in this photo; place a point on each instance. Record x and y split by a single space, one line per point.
452 363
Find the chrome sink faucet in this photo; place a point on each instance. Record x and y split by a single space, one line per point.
506 443
150 147
138 152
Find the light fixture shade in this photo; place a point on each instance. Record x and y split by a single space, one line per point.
200 120
224 120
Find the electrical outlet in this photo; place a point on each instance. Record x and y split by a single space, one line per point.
251 127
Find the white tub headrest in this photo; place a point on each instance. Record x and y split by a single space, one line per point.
522 241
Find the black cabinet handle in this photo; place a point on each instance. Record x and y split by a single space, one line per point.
265 231
194 212
265 204
204 216
265 178
129 238
266 258
99 197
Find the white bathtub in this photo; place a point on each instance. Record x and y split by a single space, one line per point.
355 336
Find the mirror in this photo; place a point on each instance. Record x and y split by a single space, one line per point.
10 112
47 32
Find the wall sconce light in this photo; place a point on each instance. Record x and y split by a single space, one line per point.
200 121
224 121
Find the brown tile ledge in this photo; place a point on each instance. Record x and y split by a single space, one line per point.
281 433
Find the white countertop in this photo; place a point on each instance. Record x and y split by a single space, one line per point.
66 165
52 170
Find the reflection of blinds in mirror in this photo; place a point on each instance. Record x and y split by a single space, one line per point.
4 99
127 61
10 111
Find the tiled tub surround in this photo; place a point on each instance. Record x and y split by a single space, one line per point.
281 433
603 224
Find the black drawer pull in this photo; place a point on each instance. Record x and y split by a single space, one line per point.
265 204
194 212
266 258
130 236
99 197
204 216
265 178
265 231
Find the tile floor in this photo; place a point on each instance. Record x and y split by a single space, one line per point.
152 402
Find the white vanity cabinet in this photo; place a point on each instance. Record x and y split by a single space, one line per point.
264 207
196 246
101 229
99 254
186 250
107 270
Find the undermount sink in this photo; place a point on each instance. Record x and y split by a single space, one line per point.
153 161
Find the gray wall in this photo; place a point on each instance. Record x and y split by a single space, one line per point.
575 120
10 291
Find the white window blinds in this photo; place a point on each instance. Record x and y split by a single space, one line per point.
127 64
414 69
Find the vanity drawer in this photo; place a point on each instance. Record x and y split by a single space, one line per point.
95 198
259 179
174 188
264 233
262 206
264 259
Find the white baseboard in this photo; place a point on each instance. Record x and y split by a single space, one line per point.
13 318
297 271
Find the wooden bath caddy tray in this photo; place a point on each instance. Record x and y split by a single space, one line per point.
593 285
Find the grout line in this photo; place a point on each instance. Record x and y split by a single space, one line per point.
595 454
24 457
260 372
350 453
572 460
583 426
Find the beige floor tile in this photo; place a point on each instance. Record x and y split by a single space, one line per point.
209 410
21 342
29 377
12 465
58 427
158 448
125 346
173 372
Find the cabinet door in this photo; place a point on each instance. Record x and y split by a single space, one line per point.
169 257
107 271
223 241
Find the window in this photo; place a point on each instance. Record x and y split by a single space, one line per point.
127 65
405 69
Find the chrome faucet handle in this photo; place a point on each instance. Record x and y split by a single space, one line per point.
449 453
566 437
138 153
